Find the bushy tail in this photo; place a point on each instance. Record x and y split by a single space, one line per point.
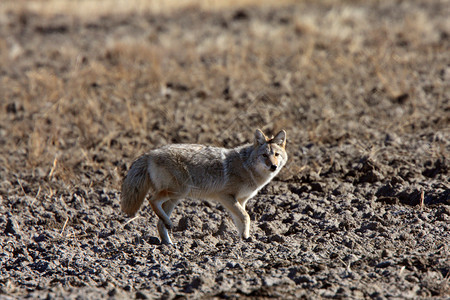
135 186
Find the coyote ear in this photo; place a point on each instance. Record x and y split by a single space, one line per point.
260 138
280 139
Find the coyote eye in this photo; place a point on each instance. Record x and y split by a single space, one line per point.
277 154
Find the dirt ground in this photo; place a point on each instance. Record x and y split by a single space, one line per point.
361 210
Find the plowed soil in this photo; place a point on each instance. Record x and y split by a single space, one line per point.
361 209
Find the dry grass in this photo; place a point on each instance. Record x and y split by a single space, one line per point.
86 92
87 9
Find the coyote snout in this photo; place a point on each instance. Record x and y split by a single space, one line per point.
229 176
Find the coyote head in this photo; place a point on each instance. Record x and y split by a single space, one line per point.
270 153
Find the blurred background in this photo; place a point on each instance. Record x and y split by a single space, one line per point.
86 86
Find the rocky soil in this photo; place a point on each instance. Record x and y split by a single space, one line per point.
361 210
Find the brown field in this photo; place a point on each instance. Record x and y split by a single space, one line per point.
362 209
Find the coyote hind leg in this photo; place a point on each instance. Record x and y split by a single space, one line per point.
168 207
156 202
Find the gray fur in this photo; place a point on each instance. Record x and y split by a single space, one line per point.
229 176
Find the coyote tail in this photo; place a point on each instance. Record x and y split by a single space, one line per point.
135 186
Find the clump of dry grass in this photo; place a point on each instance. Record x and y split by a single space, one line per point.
93 9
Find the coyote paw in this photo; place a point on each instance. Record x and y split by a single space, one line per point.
166 242
248 239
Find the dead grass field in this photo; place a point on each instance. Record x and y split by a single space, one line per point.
362 88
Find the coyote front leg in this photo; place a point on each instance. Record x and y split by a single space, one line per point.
240 216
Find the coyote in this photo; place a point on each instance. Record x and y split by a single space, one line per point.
228 176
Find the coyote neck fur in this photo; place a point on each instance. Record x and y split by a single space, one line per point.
245 154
